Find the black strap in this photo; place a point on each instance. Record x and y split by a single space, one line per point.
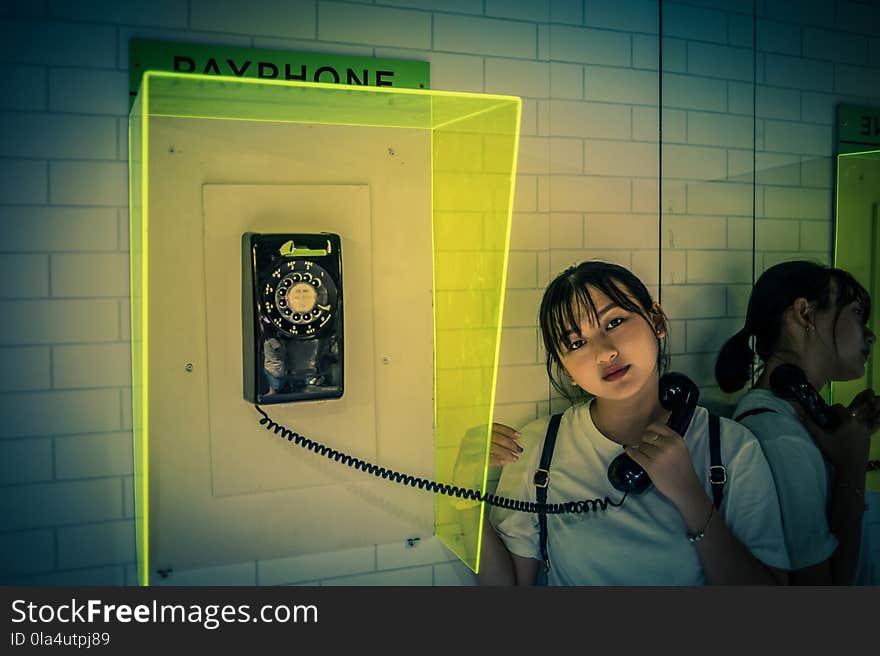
753 411
717 471
542 479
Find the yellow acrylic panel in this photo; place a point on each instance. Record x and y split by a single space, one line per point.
472 139
139 387
857 250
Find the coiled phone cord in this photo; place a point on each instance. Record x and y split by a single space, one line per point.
574 507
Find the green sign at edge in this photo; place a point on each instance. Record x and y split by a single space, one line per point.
858 128
272 65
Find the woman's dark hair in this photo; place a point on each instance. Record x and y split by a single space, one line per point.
774 293
568 296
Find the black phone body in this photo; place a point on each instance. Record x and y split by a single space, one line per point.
679 394
789 382
292 311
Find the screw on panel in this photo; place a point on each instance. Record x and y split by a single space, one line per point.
391 152
386 359
188 367
411 542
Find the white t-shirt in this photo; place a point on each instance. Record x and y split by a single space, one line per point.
803 482
643 542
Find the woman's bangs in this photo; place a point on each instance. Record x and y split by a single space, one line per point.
621 298
851 290
566 311
574 302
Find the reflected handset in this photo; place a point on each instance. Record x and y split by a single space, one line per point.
679 394
789 382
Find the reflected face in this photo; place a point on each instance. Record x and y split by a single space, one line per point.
614 358
853 339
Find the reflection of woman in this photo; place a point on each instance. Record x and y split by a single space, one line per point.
274 363
603 331
815 317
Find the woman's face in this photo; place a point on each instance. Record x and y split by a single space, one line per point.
853 339
615 358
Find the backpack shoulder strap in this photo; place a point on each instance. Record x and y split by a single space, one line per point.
717 471
542 479
753 411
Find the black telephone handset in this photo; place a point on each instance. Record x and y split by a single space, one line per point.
679 394
789 382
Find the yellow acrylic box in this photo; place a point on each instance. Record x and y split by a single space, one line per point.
857 250
418 185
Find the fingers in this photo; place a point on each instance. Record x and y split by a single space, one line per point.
649 450
506 438
652 445
860 407
865 408
842 445
499 455
662 430
505 435
865 396
504 448
506 431
874 415
659 442
635 452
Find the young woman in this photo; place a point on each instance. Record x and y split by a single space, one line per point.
815 317
603 332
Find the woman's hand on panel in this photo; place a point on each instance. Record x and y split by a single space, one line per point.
504 448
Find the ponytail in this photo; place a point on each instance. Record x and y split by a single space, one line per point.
733 368
773 294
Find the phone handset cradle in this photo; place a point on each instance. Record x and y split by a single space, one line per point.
679 394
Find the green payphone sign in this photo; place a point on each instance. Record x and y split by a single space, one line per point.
858 129
272 65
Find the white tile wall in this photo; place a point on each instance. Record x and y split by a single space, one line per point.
25 368
88 545
587 187
299 569
30 85
85 320
485 36
92 455
26 181
23 276
622 15
381 26
164 13
58 43
278 18
695 23
25 461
